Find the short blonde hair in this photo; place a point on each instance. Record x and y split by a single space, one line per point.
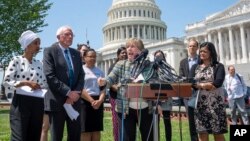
138 42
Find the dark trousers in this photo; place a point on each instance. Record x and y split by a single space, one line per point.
57 120
132 119
167 125
192 128
26 118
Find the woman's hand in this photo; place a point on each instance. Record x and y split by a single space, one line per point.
97 103
160 110
33 85
101 81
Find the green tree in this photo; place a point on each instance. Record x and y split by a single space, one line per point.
17 16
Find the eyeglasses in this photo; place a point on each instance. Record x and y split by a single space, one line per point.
91 56
68 34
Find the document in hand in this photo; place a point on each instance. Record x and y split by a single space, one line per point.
72 113
26 90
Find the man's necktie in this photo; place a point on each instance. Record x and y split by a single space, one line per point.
71 72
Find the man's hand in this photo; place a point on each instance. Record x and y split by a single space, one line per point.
74 95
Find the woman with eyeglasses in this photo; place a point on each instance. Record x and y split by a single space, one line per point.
93 96
210 111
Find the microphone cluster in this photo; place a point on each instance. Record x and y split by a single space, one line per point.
165 71
139 63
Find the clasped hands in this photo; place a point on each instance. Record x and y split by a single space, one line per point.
205 86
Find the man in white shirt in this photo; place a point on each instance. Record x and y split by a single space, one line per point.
236 89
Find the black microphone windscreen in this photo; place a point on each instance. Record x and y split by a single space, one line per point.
143 54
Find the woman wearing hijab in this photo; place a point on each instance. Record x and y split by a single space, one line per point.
24 73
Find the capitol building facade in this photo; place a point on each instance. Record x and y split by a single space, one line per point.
229 30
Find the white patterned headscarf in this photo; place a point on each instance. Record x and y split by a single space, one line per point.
26 38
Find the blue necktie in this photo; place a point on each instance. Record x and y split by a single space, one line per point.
71 72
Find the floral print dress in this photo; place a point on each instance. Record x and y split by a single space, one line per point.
210 114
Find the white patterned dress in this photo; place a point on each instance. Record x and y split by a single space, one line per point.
210 114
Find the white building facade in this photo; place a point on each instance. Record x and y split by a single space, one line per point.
229 30
137 19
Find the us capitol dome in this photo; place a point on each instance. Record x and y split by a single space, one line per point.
140 19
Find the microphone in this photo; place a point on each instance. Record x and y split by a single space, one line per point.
162 63
142 55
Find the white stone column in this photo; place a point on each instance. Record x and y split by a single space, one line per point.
144 32
105 67
132 27
209 36
155 33
138 31
237 46
121 32
127 32
226 47
221 46
243 44
115 33
159 33
231 45
150 32
248 42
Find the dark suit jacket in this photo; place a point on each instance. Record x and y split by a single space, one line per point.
184 68
57 75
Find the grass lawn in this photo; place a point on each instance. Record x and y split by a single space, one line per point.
107 133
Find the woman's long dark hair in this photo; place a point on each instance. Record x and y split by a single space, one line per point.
119 50
210 46
163 55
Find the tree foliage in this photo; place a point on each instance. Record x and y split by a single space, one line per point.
17 16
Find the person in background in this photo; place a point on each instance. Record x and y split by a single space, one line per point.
93 96
133 111
165 107
210 111
65 79
82 48
26 112
236 90
121 55
45 127
184 70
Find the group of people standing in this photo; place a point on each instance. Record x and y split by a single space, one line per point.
71 78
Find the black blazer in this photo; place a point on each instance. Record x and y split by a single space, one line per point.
219 74
57 75
184 68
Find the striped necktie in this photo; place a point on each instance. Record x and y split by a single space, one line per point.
70 68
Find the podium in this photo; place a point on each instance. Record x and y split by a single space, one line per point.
155 90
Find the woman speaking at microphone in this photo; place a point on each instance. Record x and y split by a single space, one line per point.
132 111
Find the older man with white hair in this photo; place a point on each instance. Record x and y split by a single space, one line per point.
65 76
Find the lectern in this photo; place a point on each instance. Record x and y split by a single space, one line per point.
155 91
